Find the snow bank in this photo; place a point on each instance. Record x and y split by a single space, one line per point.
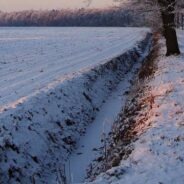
157 155
38 135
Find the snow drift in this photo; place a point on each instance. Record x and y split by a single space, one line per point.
37 136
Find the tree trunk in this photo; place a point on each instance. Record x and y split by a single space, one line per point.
167 8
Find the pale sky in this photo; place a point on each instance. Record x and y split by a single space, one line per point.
16 5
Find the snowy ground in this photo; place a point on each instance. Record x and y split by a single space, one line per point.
32 58
158 154
54 83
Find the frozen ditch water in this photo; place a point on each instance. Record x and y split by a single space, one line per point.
85 154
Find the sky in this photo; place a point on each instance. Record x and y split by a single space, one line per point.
16 5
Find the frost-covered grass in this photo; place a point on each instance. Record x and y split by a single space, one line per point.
54 82
158 154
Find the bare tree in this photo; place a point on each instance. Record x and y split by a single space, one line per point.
163 11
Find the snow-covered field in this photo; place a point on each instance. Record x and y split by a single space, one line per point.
158 154
33 58
54 82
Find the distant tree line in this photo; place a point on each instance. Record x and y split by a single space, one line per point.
83 17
